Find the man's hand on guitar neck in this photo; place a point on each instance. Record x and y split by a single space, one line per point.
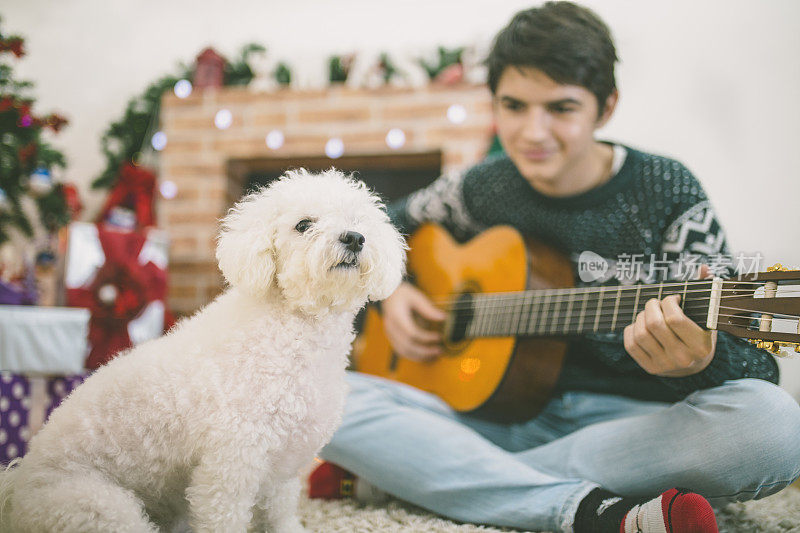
665 342
406 336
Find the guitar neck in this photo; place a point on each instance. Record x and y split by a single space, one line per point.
574 311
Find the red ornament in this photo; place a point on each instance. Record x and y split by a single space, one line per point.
134 190
209 70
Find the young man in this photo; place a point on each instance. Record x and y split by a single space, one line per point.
665 405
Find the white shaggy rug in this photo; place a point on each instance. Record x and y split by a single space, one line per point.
778 513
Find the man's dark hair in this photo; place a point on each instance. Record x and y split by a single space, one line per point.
566 41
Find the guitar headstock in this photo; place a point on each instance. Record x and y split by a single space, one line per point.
763 307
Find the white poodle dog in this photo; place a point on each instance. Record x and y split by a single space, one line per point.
212 422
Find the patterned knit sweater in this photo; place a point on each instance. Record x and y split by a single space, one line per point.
651 206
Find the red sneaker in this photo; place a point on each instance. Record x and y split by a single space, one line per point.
330 482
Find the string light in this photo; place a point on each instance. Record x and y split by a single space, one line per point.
159 141
334 148
456 113
168 189
274 139
396 138
183 88
223 119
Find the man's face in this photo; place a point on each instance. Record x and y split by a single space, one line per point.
547 129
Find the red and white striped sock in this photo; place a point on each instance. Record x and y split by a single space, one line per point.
674 511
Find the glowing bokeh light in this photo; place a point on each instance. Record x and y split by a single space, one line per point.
223 119
334 148
159 141
275 139
456 113
396 138
168 189
183 88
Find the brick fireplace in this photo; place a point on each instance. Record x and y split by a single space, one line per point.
212 167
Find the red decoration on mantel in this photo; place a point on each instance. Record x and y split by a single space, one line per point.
209 70
451 75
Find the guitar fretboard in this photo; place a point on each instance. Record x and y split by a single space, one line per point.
574 311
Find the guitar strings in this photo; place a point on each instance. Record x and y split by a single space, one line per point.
557 327
604 290
690 308
612 291
565 326
509 317
610 288
515 311
513 301
505 318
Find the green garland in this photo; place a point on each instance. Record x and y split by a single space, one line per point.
125 139
447 57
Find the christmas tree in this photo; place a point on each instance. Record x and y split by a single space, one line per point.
26 160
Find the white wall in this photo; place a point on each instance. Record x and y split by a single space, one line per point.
711 82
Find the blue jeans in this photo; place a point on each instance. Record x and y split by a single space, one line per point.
734 442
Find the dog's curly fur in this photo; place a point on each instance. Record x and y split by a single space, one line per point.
212 421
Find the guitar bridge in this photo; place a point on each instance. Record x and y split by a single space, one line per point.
713 304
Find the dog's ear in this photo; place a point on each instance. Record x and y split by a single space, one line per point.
245 250
390 260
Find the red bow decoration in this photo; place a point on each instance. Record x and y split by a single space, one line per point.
134 189
132 286
55 122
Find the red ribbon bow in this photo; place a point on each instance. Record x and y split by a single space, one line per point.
134 189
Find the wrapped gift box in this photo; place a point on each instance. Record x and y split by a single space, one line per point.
25 404
43 340
42 353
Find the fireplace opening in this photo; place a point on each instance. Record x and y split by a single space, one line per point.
392 176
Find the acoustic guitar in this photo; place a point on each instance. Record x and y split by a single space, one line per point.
511 306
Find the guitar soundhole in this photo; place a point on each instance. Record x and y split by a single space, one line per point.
462 315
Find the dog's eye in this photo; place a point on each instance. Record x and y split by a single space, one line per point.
303 225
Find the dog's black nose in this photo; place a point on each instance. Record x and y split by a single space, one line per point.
354 241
